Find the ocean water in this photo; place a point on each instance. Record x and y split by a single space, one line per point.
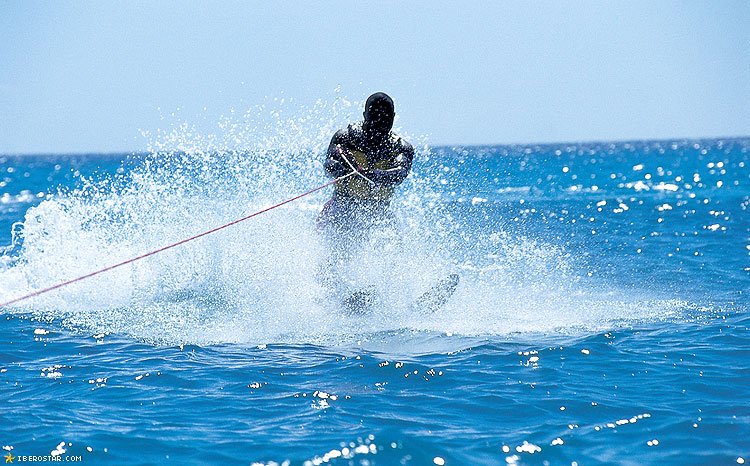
602 314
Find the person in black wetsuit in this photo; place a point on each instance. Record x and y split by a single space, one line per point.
382 160
361 201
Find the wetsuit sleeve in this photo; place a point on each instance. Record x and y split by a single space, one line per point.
334 164
399 169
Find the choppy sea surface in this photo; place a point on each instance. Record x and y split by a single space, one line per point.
602 314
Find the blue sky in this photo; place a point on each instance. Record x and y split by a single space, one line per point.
87 76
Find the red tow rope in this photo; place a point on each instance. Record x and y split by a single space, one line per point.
143 256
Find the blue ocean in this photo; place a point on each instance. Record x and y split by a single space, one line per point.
602 314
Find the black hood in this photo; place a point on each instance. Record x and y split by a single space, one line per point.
379 115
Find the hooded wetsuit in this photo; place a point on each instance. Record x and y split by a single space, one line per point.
379 154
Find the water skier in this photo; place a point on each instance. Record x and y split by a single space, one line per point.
361 202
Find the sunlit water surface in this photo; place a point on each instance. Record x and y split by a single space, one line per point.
601 318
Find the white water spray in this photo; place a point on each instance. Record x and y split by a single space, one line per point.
256 282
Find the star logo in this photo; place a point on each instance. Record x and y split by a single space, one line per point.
9 458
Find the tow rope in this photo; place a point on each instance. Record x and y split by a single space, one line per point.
156 251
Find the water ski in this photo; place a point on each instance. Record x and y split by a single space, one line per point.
434 298
361 301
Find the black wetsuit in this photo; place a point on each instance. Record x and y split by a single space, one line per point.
383 158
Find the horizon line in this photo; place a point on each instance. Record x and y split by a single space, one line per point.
436 146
